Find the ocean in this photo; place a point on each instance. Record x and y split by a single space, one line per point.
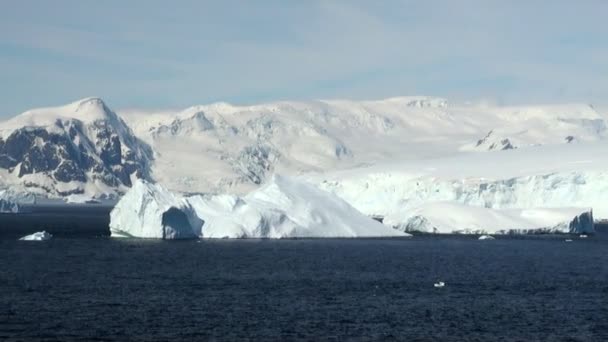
514 288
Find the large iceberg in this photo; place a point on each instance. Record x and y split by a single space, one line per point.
450 217
285 208
150 211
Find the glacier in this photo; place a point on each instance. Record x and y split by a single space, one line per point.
285 207
150 211
552 176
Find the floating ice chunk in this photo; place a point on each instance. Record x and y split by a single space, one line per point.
583 236
439 284
150 211
568 240
486 237
38 236
81 199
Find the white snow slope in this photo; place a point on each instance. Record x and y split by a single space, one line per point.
236 148
285 208
150 211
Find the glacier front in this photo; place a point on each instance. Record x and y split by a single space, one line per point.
451 217
150 211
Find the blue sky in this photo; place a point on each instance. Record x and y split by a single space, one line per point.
162 54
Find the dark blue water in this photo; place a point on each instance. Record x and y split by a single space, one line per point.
510 289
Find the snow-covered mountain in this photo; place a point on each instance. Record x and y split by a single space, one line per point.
220 147
83 147
529 126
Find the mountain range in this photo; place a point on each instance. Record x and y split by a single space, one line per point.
87 148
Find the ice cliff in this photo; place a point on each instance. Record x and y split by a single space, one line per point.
150 211
449 217
11 202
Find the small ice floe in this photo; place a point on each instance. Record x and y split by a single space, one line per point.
583 236
39 236
439 284
486 237
568 240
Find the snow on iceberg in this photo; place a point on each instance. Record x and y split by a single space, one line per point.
450 217
285 208
38 236
150 211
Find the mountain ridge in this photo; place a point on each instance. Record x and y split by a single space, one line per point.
85 147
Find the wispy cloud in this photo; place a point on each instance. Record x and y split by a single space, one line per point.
156 54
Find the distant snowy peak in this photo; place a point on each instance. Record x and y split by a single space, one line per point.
86 110
77 148
490 142
522 127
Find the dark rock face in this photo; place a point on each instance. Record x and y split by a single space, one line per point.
503 144
71 151
255 161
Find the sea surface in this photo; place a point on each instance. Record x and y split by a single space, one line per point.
534 288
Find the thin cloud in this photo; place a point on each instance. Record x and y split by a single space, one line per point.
149 54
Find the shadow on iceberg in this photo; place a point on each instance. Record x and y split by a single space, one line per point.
150 211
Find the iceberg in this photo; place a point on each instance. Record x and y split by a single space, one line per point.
285 207
150 211
80 199
38 236
451 217
12 202
7 205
